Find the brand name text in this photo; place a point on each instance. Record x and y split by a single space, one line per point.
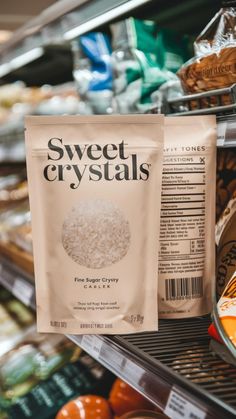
84 160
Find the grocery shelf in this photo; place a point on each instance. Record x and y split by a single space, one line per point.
18 282
58 24
174 368
211 102
173 364
63 21
218 101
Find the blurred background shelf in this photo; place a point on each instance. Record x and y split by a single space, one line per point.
39 51
17 281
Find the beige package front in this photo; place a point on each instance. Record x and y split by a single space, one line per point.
95 186
187 249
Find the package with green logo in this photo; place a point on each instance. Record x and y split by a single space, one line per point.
95 185
137 72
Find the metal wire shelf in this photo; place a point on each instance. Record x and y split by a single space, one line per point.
220 102
176 360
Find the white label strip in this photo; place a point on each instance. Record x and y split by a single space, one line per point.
179 408
114 359
133 370
221 130
230 134
22 290
92 344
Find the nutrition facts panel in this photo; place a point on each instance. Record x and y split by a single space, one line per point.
183 207
182 229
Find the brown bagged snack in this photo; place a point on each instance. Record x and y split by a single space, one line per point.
213 66
95 185
214 71
187 245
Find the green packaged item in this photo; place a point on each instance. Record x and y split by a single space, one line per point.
172 50
41 399
139 63
43 373
46 398
31 362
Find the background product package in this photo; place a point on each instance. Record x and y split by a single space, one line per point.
95 186
141 63
93 72
187 249
213 66
42 373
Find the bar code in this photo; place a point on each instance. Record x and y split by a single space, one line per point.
96 325
184 288
58 324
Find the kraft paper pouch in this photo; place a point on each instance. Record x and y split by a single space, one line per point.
95 187
187 243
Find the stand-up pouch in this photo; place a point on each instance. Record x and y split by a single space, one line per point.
95 188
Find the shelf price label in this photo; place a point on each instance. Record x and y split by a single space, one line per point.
221 131
133 370
178 407
92 344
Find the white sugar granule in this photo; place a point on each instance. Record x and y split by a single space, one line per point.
96 234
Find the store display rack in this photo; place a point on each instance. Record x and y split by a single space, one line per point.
174 368
58 24
207 103
219 102
64 21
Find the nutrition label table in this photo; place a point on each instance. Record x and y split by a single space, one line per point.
182 230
